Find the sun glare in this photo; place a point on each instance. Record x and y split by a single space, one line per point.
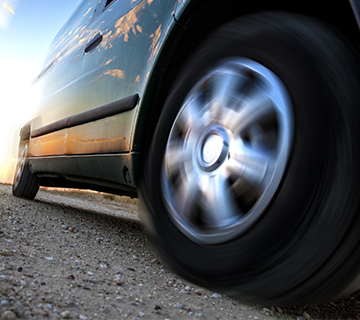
7 11
16 108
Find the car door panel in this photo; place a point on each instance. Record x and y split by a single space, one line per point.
59 82
93 131
118 66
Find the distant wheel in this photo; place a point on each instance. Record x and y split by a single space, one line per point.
25 183
252 180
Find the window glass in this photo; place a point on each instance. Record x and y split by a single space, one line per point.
81 17
108 2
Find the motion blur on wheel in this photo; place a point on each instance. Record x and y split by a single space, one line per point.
252 178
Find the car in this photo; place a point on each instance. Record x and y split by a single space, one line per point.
236 123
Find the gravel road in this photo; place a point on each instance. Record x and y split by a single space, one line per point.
84 255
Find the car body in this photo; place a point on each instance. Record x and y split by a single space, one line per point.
106 78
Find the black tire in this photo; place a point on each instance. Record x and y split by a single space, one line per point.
25 184
304 246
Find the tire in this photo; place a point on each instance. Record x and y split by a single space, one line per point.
26 184
252 180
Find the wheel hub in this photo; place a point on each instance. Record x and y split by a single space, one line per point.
213 149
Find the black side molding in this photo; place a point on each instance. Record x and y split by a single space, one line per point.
107 110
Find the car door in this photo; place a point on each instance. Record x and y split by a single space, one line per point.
59 83
123 41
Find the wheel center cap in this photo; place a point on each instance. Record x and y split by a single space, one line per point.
213 149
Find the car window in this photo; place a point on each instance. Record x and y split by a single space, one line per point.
73 29
81 17
108 2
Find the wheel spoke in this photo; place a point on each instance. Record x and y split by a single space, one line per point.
256 108
219 203
177 154
188 194
250 165
224 92
191 119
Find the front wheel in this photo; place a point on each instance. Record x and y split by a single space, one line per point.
252 181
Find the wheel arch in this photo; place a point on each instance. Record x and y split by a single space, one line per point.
25 132
197 19
22 135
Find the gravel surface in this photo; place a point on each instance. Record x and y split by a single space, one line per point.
84 255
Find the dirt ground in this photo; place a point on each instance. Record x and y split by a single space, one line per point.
84 255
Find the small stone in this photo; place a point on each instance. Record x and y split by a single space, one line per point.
178 305
306 315
20 269
198 315
279 310
65 314
191 313
49 299
82 317
19 310
157 307
65 227
216 295
28 275
266 310
141 314
71 229
187 288
8 315
119 282
49 258
4 303
47 306
6 253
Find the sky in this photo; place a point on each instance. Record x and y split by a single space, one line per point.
27 28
